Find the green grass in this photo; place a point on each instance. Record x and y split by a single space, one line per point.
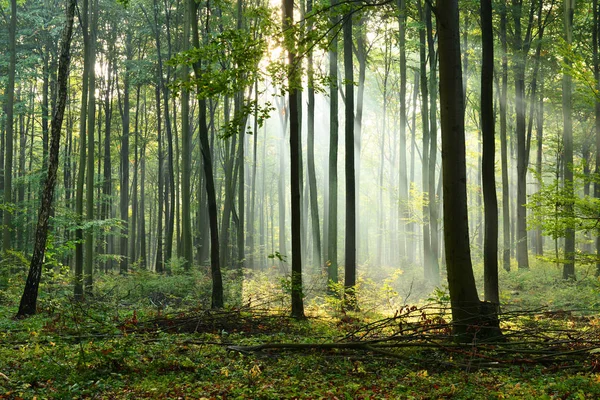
91 350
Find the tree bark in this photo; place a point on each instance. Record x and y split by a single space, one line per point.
466 307
28 302
10 103
490 247
332 212
350 243
297 294
569 264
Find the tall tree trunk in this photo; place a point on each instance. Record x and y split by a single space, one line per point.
295 167
186 223
433 205
91 125
402 180
466 307
124 194
569 265
504 143
350 244
490 249
28 302
82 154
215 267
310 154
425 156
521 48
10 102
332 212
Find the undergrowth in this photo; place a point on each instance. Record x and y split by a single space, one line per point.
123 343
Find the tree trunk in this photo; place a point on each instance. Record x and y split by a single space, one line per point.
215 268
91 125
466 307
10 102
503 144
310 155
82 154
28 302
490 247
569 265
425 157
402 179
124 194
350 244
332 212
295 167
186 223
434 268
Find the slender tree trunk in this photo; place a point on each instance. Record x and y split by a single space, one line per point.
28 302
425 157
332 212
466 307
569 265
490 251
310 155
10 102
503 143
433 205
186 223
402 180
124 195
350 244
293 83
215 268
82 155
91 124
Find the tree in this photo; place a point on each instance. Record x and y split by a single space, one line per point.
350 247
332 187
30 292
466 308
569 265
292 75
186 230
215 267
490 251
10 105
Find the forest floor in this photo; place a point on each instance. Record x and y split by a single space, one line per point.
141 337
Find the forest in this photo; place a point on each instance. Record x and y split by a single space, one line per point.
314 199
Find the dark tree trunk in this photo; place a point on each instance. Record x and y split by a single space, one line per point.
350 244
215 268
569 265
332 211
466 307
124 195
295 167
503 144
29 298
402 181
490 246
82 155
10 102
